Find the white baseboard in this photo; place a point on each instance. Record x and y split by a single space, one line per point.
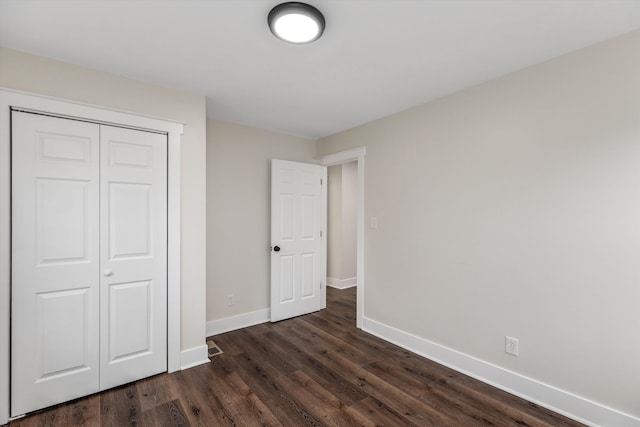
342 283
194 356
560 401
239 321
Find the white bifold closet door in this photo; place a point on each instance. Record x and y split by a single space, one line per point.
89 253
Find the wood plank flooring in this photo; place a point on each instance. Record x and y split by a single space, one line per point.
314 370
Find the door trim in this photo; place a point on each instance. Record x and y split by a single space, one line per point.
354 154
69 109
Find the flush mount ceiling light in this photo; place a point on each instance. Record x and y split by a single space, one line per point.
296 22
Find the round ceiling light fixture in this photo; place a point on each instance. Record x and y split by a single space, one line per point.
296 22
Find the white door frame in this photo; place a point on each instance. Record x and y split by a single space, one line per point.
354 154
37 103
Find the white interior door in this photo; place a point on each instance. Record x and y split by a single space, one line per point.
89 258
55 261
298 265
133 253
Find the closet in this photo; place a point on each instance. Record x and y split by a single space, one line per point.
89 258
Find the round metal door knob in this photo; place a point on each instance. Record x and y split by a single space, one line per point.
276 248
108 272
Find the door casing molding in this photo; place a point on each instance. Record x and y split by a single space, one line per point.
354 154
12 99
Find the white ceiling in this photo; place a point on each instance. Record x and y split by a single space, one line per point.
377 57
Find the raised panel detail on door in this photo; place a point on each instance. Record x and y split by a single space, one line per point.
130 315
287 278
287 206
130 219
287 178
66 148
309 179
307 275
55 325
307 218
62 221
123 154
62 341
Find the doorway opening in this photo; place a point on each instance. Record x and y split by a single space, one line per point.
342 190
350 165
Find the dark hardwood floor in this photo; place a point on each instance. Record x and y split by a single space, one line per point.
316 369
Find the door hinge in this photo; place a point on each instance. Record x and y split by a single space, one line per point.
320 181
320 233
320 285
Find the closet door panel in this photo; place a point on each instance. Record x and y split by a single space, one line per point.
133 254
55 261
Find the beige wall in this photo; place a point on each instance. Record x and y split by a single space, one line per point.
341 222
349 219
53 78
238 213
513 208
334 222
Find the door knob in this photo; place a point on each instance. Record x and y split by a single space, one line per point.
276 248
108 272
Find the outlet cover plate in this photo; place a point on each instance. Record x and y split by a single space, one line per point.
511 346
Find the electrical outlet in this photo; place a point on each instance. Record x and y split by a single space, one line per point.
511 346
230 300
